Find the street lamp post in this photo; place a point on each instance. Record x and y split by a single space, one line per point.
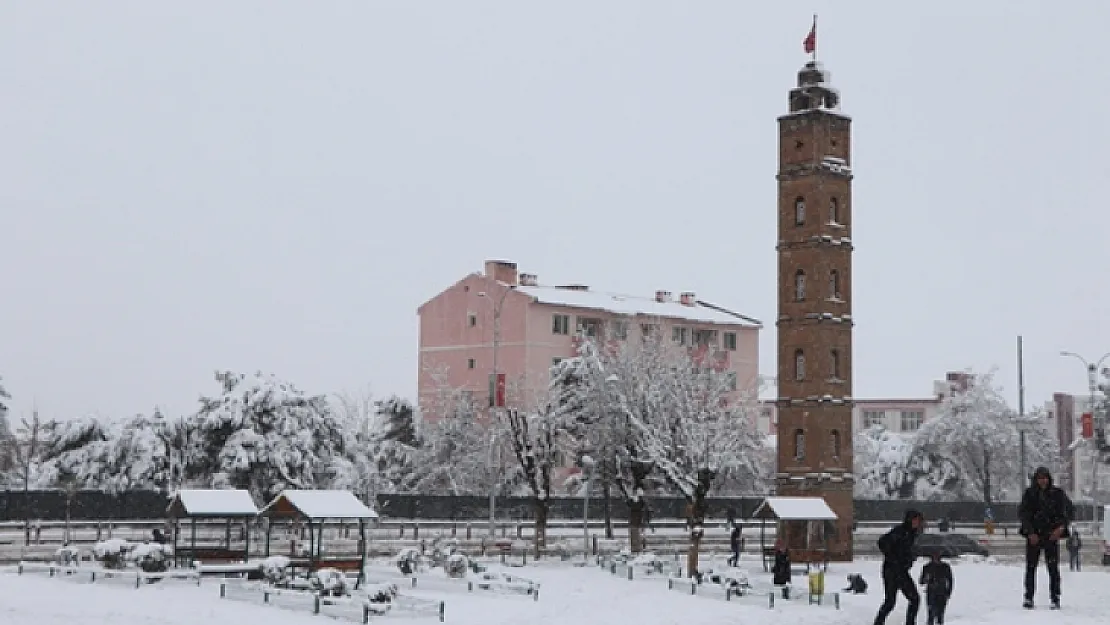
493 403
1092 388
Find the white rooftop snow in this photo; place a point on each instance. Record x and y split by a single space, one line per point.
325 504
217 502
797 509
632 305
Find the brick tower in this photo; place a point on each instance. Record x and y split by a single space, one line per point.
815 305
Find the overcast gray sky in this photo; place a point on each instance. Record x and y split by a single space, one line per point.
278 185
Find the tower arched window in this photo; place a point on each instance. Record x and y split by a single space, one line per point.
799 444
834 364
834 284
799 211
799 365
800 286
834 443
834 211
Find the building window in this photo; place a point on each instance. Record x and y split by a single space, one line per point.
470 363
588 326
730 341
834 284
704 338
799 211
834 211
799 444
560 324
912 420
618 329
834 443
800 286
872 418
554 369
834 357
679 335
799 365
472 320
647 329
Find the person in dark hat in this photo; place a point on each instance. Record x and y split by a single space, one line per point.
898 556
1045 513
936 577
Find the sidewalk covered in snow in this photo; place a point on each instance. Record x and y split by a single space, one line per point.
231 506
811 517
314 507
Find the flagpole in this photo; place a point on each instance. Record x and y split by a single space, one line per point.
814 37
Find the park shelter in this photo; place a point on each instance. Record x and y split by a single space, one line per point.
808 517
315 507
208 505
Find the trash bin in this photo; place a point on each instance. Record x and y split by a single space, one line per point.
989 526
817 583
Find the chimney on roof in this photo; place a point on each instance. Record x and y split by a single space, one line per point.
502 271
689 299
529 279
662 296
574 287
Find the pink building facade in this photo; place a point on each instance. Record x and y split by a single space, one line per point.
507 322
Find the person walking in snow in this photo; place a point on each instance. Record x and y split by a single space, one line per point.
734 543
936 577
780 570
1075 544
1045 513
898 556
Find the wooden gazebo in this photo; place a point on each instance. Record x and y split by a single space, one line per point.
314 507
231 506
800 520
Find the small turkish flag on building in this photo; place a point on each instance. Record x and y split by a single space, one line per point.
1088 422
810 42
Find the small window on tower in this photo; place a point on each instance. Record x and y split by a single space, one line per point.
799 365
834 443
834 356
834 211
834 284
799 145
799 444
800 286
799 211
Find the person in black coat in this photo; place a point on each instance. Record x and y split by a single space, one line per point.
936 577
898 556
780 570
1045 513
1075 544
734 543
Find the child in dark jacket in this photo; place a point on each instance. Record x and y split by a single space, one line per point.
780 570
937 579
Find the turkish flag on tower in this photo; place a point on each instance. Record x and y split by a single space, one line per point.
810 42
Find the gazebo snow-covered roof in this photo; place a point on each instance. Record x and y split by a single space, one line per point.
201 503
795 509
317 505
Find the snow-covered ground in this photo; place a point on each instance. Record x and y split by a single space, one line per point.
985 593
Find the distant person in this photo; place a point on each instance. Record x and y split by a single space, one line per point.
1045 513
780 570
856 584
1075 544
158 536
936 577
898 556
734 540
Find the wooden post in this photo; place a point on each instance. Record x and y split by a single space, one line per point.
320 541
361 552
311 547
247 538
269 529
193 522
227 534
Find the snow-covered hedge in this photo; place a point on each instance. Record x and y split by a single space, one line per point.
275 569
409 561
151 557
112 553
67 556
456 565
379 597
330 582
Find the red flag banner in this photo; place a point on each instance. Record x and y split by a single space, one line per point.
1088 425
810 42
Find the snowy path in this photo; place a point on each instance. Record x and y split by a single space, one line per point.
985 594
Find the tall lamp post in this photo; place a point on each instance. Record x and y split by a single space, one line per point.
493 403
1092 388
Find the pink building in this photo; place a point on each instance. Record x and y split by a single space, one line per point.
527 327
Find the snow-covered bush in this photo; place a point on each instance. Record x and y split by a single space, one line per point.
275 569
409 561
734 579
151 557
456 565
112 553
330 582
67 556
379 597
442 549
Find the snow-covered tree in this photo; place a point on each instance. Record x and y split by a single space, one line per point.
146 453
534 438
77 451
692 425
881 461
4 395
458 446
976 432
265 435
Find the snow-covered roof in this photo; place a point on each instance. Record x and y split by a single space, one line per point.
635 305
795 509
212 503
318 504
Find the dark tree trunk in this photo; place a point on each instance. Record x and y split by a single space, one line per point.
637 515
540 538
695 518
